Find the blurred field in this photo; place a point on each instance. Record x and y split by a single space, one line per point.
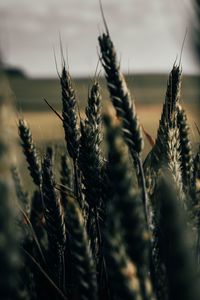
148 91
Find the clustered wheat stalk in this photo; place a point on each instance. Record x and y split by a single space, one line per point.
112 227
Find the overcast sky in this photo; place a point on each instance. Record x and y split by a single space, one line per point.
147 33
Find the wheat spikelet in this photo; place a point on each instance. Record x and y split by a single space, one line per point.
85 278
173 161
30 152
169 113
71 128
93 109
69 114
120 96
91 159
166 151
54 220
91 163
65 175
185 148
172 97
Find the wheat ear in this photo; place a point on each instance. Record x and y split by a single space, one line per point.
54 218
120 96
83 264
30 152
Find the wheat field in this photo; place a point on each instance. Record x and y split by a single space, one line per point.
109 205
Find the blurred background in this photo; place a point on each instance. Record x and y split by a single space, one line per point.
148 35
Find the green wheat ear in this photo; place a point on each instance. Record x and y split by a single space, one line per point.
91 164
85 281
185 148
55 224
120 96
91 159
169 115
30 152
166 151
69 114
